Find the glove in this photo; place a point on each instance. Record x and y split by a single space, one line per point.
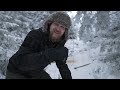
57 54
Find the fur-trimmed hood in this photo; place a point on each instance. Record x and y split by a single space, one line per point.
60 17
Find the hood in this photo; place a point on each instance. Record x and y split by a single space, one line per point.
60 17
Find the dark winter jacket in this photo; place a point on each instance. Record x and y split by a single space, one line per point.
29 59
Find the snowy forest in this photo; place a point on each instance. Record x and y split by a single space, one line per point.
94 38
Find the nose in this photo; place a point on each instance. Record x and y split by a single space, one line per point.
58 28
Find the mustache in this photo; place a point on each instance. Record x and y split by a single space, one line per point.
55 30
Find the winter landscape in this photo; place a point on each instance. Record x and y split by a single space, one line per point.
94 38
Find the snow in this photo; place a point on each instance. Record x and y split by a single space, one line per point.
2 76
82 55
14 30
72 13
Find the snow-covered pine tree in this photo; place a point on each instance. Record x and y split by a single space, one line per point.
86 32
112 44
14 26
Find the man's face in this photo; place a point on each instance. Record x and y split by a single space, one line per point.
56 31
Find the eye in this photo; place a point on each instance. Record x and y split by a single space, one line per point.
62 27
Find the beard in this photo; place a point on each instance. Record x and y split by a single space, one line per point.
54 38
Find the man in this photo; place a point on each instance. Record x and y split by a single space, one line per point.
40 48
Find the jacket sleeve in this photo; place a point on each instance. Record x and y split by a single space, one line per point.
32 40
64 70
28 58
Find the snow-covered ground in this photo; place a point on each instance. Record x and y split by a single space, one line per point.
80 56
83 63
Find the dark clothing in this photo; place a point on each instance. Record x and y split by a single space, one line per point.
43 75
31 58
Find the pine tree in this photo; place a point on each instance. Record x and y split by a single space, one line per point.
86 32
14 26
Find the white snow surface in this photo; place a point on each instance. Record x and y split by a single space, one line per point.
82 55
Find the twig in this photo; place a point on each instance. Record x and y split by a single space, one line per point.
82 66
